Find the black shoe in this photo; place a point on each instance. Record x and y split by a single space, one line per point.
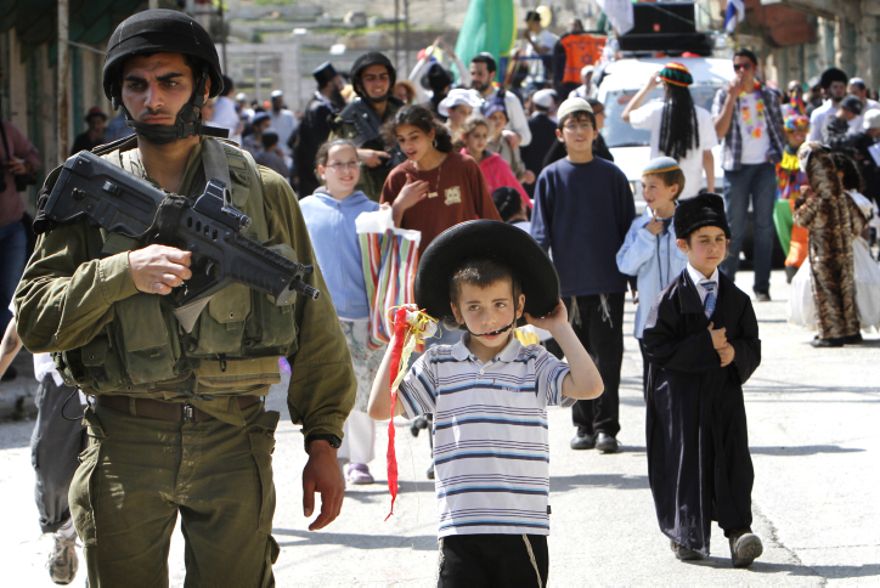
684 553
607 443
830 342
745 548
430 472
852 339
417 424
762 296
790 272
583 441
10 374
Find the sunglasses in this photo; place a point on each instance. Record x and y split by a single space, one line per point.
742 66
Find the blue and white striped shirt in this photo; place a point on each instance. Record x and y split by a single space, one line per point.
491 451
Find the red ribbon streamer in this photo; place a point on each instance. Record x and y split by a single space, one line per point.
400 326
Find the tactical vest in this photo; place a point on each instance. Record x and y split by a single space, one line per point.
237 339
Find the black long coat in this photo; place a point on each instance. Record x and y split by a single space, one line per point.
699 465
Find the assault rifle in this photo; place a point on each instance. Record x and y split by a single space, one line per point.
210 227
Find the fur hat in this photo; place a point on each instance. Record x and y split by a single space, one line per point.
830 75
703 210
486 239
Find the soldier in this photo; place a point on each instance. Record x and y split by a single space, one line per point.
373 78
177 422
315 127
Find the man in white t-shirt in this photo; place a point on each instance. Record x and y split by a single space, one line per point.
539 44
833 82
679 128
748 117
225 114
283 122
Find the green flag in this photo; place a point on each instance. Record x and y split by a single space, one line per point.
490 25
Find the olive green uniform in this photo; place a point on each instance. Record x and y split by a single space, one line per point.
77 299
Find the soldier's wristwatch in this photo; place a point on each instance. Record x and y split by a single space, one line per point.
333 440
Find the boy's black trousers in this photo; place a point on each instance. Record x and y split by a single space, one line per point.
600 330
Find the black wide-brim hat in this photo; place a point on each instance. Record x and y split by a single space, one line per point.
486 239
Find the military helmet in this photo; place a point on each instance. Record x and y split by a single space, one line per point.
365 61
160 31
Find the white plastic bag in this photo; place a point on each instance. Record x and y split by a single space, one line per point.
867 272
801 304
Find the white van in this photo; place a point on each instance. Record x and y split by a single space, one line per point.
622 79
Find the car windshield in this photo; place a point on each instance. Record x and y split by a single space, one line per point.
620 134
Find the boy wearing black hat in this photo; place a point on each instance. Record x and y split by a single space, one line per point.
489 394
702 341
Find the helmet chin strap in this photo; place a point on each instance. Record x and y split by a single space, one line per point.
187 123
495 332
380 99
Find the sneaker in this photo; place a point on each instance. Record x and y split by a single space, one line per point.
762 296
745 548
358 474
829 342
63 562
583 441
607 443
417 424
683 553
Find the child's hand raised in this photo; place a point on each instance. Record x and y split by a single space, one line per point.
726 353
553 320
719 336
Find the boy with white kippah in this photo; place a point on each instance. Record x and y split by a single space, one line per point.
583 208
649 253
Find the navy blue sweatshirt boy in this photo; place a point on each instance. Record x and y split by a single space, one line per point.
583 210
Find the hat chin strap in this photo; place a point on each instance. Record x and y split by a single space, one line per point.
495 332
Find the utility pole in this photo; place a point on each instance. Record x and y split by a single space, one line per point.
396 31
62 100
405 36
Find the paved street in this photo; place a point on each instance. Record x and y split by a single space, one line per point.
813 418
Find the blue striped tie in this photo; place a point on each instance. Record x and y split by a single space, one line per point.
709 302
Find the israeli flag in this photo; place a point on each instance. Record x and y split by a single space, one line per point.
735 13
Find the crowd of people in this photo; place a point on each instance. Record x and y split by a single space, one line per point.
524 153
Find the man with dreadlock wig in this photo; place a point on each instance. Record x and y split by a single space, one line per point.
679 129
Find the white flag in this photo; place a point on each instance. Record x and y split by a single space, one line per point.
620 13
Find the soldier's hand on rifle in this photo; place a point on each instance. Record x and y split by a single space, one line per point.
157 269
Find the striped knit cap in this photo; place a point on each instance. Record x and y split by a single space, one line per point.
676 74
